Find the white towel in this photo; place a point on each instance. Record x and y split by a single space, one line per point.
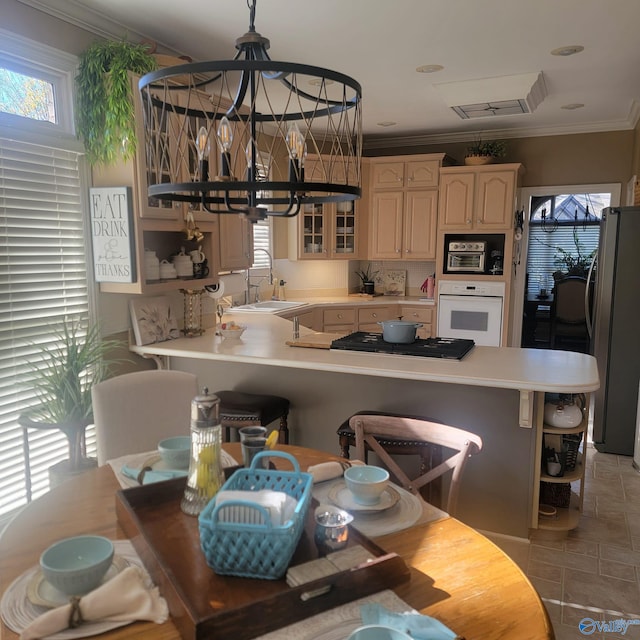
279 505
330 470
123 598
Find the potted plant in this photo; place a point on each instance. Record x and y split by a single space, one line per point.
572 263
367 278
62 379
485 151
105 111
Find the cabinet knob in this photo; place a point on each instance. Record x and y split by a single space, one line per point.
374 315
339 316
397 250
468 220
410 178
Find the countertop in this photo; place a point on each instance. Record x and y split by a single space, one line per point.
264 342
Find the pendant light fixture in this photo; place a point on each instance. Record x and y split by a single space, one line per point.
233 136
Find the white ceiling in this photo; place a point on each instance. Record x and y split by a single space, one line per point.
380 44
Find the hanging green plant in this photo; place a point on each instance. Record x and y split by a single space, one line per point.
104 102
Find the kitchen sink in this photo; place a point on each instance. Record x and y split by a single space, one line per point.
269 306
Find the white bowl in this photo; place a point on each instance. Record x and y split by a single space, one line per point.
366 483
233 332
176 451
77 565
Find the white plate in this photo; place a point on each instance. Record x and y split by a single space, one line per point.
340 495
18 611
43 593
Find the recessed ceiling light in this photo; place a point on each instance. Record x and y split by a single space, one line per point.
572 106
567 51
386 123
429 68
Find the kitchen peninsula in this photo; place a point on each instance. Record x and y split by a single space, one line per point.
496 392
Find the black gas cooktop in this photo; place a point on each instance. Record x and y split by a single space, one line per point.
452 348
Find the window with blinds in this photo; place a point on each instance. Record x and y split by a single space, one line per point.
564 230
43 260
262 228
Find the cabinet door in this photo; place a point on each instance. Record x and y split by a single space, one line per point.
421 174
164 145
420 222
313 230
386 223
236 242
455 207
387 175
495 199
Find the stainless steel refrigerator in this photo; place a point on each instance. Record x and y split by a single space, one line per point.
616 330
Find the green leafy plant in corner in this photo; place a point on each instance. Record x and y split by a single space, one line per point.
492 148
366 275
62 377
104 103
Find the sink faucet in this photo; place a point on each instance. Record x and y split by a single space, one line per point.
257 286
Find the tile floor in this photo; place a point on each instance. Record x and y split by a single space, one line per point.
595 571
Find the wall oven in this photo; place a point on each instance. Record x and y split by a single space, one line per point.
472 310
466 256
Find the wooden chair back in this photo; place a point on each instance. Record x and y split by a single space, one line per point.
463 444
134 411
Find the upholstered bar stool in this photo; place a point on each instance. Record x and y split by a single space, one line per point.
239 409
430 454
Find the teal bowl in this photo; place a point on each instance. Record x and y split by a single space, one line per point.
77 565
176 451
366 483
378 632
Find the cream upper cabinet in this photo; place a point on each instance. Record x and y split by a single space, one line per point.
404 207
417 174
236 242
478 198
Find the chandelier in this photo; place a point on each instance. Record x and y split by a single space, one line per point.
233 136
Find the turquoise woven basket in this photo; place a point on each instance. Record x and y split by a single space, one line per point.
256 550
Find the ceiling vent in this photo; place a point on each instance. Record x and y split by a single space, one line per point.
501 96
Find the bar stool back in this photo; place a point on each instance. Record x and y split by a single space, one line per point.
239 409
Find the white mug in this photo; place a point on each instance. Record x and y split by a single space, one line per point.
197 256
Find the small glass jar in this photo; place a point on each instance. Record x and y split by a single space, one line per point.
206 475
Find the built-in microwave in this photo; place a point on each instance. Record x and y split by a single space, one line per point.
466 256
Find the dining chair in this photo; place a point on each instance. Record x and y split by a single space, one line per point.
568 314
458 444
134 411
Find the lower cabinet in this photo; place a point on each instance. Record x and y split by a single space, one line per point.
561 497
424 315
368 317
340 320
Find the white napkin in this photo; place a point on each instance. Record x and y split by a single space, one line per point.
330 470
279 505
124 598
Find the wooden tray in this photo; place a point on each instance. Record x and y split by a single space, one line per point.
317 340
205 605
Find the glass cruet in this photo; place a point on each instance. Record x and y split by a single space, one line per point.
206 475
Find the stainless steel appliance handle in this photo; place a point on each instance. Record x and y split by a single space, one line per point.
587 306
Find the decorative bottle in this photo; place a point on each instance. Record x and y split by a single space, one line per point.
205 467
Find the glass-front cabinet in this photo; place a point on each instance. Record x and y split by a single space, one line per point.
324 231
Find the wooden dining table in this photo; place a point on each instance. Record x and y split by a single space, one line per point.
457 575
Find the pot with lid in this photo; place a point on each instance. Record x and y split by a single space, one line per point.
399 331
565 412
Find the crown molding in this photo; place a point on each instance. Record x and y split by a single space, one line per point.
421 140
77 14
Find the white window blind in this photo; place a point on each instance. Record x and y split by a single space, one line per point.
262 229
43 279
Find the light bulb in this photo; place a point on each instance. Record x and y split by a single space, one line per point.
203 144
225 135
295 142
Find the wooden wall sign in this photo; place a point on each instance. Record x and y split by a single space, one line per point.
112 233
